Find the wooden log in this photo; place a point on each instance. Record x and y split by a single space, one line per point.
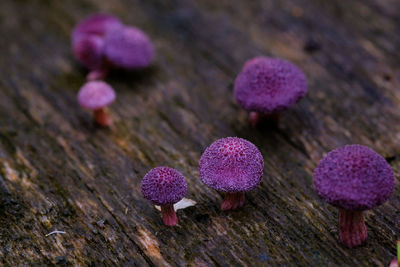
58 171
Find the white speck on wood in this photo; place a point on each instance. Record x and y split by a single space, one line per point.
183 204
56 232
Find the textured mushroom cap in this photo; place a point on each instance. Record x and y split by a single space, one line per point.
354 177
129 48
163 186
231 164
88 38
96 94
269 85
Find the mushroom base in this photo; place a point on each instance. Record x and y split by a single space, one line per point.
352 229
169 215
233 201
256 117
101 117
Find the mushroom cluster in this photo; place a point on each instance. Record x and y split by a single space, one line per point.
101 42
353 178
232 165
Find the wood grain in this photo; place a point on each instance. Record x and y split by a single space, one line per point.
58 171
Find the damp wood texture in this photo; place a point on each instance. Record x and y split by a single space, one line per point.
60 172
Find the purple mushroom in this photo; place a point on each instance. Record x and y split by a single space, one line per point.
232 165
394 263
129 48
353 178
96 96
267 86
101 42
88 42
164 186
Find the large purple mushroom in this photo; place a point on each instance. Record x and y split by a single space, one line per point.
267 86
232 165
353 178
96 96
164 186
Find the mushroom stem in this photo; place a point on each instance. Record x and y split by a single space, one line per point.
233 201
255 118
352 229
169 215
101 117
97 74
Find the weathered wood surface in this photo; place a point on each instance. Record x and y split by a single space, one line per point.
60 172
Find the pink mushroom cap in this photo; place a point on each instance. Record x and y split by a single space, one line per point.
95 95
98 24
88 50
163 186
129 48
231 165
88 39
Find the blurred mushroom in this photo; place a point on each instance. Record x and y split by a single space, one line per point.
88 42
101 42
96 96
129 48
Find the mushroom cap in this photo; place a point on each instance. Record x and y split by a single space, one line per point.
269 85
95 95
97 24
88 50
88 38
354 177
129 48
231 165
163 186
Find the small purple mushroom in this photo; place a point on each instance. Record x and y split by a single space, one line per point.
353 178
88 42
268 86
96 96
232 165
129 48
164 186
394 263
